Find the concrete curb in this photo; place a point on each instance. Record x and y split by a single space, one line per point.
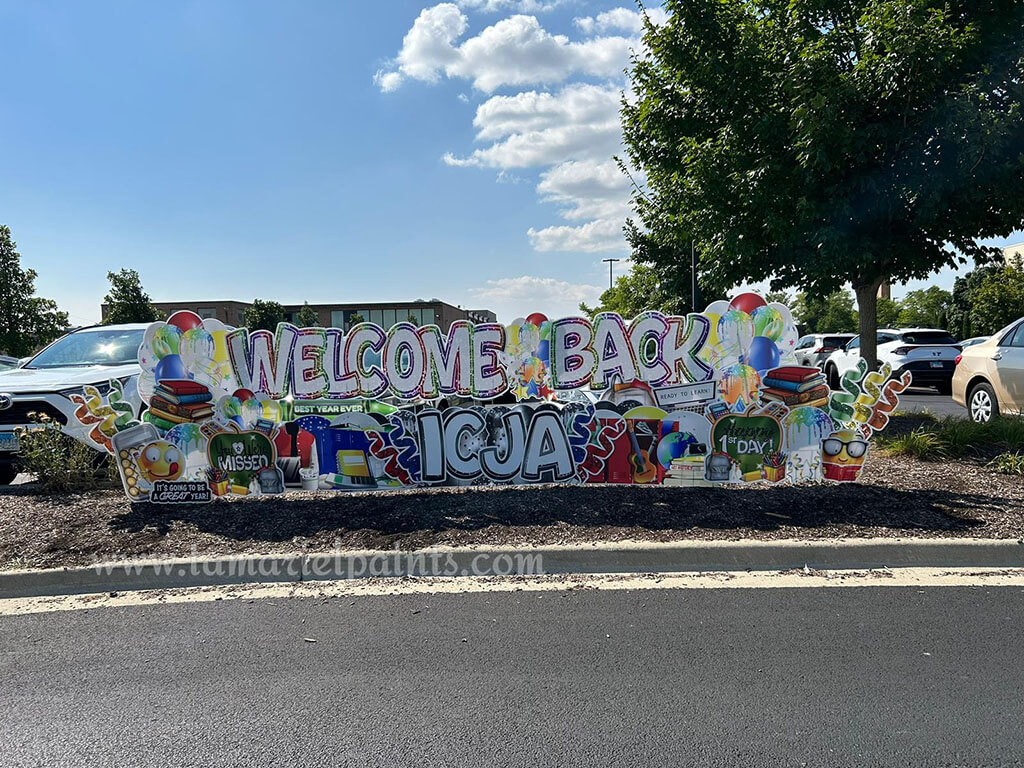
597 558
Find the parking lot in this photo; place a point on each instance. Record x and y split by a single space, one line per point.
921 399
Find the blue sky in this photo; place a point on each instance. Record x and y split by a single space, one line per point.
320 151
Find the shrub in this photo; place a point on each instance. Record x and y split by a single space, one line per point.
921 443
955 437
59 462
1009 463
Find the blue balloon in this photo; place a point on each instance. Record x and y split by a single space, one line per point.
170 367
762 354
544 350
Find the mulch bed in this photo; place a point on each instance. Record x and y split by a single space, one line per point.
897 497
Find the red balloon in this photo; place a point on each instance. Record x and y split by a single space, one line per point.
747 302
537 319
185 320
243 394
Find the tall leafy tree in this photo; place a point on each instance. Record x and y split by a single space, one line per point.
27 321
818 143
998 301
308 317
264 315
647 287
962 322
926 308
127 302
887 312
832 314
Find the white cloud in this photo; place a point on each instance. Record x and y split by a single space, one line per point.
621 19
387 81
513 51
512 297
519 6
587 189
595 236
569 133
541 129
427 47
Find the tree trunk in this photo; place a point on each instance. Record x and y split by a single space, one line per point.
867 304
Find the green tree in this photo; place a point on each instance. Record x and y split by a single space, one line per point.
308 317
833 314
927 308
818 143
887 312
127 302
998 301
27 321
264 315
962 323
647 287
355 318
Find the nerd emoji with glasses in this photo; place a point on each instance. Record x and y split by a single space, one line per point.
842 454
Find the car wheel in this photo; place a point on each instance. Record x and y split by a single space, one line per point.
981 405
7 474
832 377
945 388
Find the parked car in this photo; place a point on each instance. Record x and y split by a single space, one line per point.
6 363
989 378
93 355
972 341
813 350
929 354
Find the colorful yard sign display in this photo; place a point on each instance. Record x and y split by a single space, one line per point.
698 400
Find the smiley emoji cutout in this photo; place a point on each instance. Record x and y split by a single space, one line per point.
161 460
842 455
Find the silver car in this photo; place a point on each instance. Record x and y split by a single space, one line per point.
814 349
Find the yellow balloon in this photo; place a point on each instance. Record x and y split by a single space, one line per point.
220 346
714 317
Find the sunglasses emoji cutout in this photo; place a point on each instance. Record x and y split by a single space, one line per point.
842 455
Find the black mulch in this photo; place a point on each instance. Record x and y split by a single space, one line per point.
897 497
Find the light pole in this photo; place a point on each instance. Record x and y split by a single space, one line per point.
693 277
610 263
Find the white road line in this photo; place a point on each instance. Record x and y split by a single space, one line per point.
901 577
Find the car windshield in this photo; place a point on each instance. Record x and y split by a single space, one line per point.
835 341
928 337
106 346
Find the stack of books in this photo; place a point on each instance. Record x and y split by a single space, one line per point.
179 401
794 385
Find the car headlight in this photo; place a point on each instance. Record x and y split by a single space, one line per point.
102 387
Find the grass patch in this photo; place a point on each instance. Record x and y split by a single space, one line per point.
955 437
920 443
1009 463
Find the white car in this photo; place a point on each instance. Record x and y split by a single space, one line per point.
93 355
929 354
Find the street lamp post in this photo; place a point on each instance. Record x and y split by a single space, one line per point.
610 263
693 277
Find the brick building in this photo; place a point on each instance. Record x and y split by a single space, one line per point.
338 315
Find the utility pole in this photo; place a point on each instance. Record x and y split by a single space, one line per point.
610 263
693 277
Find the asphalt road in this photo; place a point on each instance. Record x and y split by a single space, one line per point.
925 399
851 677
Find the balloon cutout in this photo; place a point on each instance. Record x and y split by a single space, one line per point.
747 302
184 320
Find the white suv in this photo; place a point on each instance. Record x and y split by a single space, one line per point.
93 356
929 354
